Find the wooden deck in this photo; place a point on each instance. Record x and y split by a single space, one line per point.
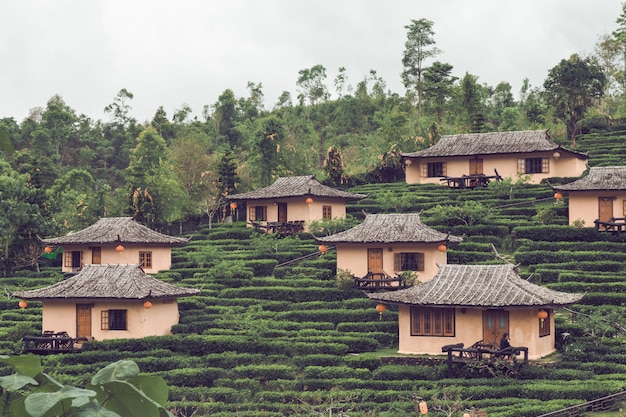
470 181
380 280
51 342
282 229
615 224
480 351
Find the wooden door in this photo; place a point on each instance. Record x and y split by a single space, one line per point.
282 212
374 260
495 324
475 166
605 208
83 320
96 255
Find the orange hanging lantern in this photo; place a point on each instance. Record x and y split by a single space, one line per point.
119 248
467 415
558 196
23 304
442 248
47 249
309 200
322 248
423 407
381 309
233 206
542 314
147 304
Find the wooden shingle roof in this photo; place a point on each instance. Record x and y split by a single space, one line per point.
598 179
296 187
478 286
112 230
492 143
108 282
390 228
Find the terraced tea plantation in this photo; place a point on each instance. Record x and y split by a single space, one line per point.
270 336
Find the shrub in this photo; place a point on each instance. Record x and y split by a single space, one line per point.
265 372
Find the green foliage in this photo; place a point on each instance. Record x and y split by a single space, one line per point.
116 390
469 213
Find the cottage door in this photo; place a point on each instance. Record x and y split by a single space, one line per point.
605 208
83 320
495 324
282 212
374 260
96 255
476 166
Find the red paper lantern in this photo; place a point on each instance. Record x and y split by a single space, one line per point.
47 249
442 248
309 200
322 248
467 415
147 304
381 308
542 314
558 195
23 304
233 205
119 248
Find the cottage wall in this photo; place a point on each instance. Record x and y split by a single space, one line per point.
523 328
298 209
161 256
60 315
583 205
352 257
567 165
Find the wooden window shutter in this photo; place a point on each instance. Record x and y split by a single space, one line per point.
252 213
420 261
521 166
397 262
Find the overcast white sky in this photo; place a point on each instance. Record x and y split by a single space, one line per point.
170 53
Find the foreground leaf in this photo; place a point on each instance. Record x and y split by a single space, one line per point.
52 404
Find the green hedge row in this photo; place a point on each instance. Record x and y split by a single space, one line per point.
548 256
557 233
287 293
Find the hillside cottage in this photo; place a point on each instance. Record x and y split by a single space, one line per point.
293 201
109 302
471 303
599 196
508 154
389 244
116 240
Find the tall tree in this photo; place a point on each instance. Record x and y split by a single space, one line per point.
20 219
620 36
473 103
438 87
417 48
571 88
311 85
226 116
155 192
